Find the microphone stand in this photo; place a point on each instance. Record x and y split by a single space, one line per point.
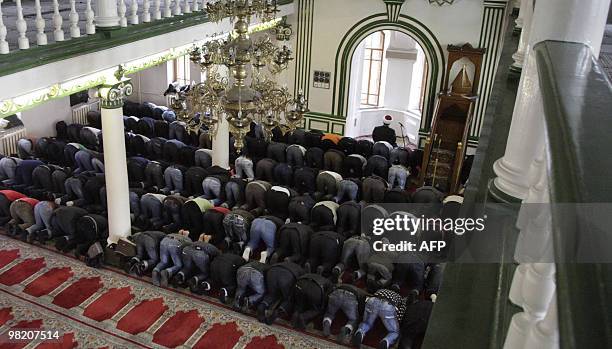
403 137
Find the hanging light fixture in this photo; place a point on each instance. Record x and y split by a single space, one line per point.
237 86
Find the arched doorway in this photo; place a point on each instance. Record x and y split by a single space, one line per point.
388 73
433 52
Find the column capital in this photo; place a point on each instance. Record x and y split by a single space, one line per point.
115 91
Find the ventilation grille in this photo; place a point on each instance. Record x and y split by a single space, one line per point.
79 112
9 139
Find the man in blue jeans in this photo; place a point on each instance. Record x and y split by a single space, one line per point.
212 187
8 165
295 155
250 279
151 208
42 215
147 251
390 307
170 251
398 175
196 262
173 177
347 189
262 228
350 300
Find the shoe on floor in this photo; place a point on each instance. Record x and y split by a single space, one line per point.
245 305
223 295
326 328
357 339
383 344
165 276
271 316
261 314
155 277
344 334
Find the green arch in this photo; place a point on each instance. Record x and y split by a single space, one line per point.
408 25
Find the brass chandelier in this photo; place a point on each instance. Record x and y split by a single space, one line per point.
236 86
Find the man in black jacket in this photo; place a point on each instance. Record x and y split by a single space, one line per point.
280 281
293 241
310 293
223 270
324 252
384 132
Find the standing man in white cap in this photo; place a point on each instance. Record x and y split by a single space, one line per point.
384 132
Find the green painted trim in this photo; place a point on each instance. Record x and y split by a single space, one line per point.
327 123
298 49
304 47
21 60
329 116
330 122
491 38
344 38
347 47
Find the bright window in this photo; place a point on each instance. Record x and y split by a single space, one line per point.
372 69
181 70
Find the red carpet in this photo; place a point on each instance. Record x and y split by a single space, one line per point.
77 292
109 304
220 336
178 329
20 272
48 282
142 316
8 256
99 308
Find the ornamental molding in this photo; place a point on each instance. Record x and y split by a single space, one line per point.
66 88
113 93
442 2
394 8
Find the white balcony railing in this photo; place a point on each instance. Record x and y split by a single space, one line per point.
42 22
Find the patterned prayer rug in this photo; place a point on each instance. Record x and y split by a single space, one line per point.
102 308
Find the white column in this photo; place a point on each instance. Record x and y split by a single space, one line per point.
116 176
220 145
156 10
146 15
58 33
22 27
106 14
167 10
564 20
75 32
122 11
41 37
90 28
527 14
537 293
4 47
134 10
177 7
